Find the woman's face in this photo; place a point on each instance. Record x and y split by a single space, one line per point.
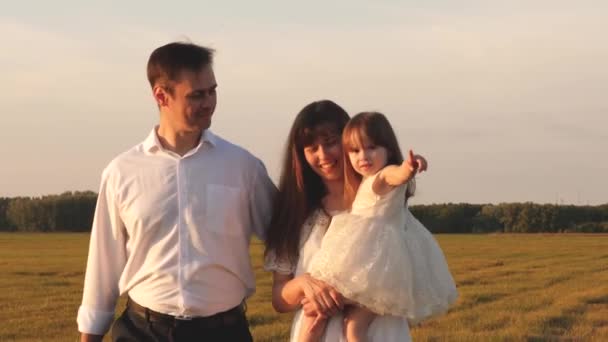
324 156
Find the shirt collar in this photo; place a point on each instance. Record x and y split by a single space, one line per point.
209 137
152 143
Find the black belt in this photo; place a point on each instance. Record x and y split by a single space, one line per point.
226 318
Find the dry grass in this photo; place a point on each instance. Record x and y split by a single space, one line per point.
512 287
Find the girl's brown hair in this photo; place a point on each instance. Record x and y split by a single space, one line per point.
300 188
369 128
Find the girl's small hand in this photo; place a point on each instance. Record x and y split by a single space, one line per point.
392 176
422 163
411 165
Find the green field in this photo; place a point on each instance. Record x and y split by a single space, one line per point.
512 288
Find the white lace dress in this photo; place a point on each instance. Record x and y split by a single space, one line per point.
382 257
382 329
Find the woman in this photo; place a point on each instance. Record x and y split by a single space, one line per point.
311 191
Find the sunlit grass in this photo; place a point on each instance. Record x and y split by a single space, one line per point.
512 288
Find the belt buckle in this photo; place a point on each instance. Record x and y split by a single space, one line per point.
184 317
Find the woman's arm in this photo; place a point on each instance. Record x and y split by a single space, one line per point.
289 291
392 176
285 293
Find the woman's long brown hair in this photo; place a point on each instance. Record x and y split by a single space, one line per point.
373 128
300 188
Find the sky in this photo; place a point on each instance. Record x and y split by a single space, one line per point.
508 100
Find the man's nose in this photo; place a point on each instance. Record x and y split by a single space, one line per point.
206 100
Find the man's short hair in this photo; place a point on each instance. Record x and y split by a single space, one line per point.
167 61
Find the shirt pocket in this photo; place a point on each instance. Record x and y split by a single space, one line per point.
225 210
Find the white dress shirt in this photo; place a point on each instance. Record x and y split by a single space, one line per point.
173 231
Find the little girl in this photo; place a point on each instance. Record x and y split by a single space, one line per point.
379 256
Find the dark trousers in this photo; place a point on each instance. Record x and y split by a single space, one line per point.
133 327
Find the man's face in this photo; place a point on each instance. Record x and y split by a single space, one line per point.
193 101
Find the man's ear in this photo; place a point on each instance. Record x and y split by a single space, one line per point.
160 95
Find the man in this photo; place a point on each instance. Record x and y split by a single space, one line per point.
174 218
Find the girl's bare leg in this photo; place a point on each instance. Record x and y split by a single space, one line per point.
356 322
312 328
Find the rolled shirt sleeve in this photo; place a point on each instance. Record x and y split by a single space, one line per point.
106 261
261 195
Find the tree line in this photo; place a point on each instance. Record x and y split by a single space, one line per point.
73 212
70 211
512 218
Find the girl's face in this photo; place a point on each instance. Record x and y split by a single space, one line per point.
324 156
367 158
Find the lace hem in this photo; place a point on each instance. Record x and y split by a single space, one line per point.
390 306
274 264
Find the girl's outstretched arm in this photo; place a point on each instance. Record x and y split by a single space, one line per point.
392 176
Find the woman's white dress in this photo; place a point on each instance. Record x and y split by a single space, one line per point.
382 257
382 329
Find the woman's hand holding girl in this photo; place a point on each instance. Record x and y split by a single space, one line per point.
318 297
